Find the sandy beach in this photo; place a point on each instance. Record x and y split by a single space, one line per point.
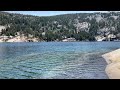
113 67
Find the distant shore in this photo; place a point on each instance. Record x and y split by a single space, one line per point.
52 41
35 40
113 61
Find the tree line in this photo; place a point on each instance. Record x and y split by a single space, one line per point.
57 27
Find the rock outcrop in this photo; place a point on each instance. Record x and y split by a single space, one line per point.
113 67
17 39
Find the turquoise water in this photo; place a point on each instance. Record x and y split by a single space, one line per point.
54 60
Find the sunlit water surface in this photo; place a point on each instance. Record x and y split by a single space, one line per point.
54 60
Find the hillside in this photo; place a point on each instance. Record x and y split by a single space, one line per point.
81 27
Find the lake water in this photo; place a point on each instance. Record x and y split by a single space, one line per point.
54 60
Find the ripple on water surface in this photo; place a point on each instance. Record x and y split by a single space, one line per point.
71 60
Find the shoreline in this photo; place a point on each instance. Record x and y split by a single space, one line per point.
113 60
55 41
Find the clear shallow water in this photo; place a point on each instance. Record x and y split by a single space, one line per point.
54 60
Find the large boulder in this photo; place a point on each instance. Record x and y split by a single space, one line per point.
113 67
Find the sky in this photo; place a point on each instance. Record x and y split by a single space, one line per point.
50 13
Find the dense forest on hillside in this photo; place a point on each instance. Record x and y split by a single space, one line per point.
82 26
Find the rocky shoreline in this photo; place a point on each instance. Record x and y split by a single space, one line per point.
17 39
113 61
